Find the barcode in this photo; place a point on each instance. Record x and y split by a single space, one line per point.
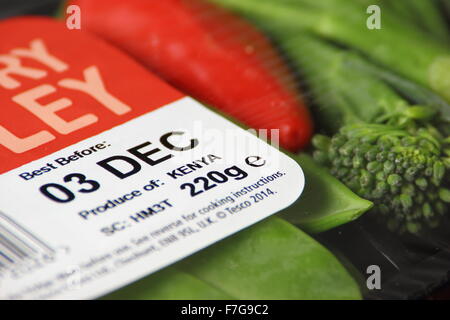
20 248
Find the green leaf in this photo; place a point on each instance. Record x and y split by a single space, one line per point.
273 260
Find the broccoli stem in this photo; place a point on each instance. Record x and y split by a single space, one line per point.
426 14
416 93
406 50
345 95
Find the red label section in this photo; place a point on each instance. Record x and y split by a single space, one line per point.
60 86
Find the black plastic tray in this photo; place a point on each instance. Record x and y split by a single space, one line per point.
412 266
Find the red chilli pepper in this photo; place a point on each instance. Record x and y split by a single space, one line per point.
210 54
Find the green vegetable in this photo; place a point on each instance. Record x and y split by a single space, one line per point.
426 14
385 150
413 91
344 93
338 204
400 172
270 260
397 45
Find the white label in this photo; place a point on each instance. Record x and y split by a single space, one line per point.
102 213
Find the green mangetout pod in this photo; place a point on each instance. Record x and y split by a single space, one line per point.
270 260
325 203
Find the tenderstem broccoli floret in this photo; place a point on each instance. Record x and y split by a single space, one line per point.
403 173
